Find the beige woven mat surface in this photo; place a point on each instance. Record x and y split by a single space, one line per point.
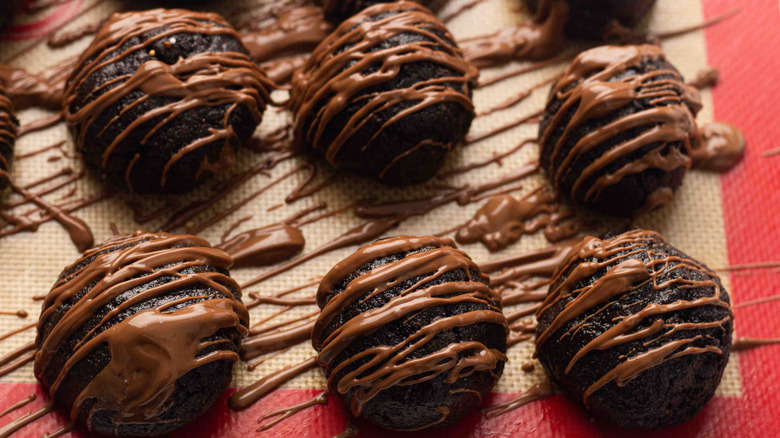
31 262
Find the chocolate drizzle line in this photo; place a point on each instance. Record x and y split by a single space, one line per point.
624 275
18 423
30 398
388 366
178 335
535 392
294 32
540 40
249 395
9 127
587 87
337 73
705 78
742 344
202 79
284 413
264 246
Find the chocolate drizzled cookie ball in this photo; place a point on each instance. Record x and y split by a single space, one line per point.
8 129
410 333
162 98
618 130
139 336
597 19
387 95
339 10
636 330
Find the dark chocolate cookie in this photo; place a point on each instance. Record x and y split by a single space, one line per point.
410 333
340 10
618 130
139 336
637 331
387 95
593 18
163 98
8 129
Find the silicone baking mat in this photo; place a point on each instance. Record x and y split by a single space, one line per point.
723 220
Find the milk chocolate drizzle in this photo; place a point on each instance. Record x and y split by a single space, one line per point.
177 332
388 366
742 344
294 32
625 275
540 40
203 79
503 220
722 147
587 87
535 392
344 66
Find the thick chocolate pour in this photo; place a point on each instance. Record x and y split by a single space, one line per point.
264 246
177 332
345 65
388 367
587 85
593 255
202 79
722 147
540 40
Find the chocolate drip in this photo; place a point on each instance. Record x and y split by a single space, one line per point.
540 40
30 398
41 124
177 329
294 32
26 419
742 344
352 66
18 313
285 413
461 9
79 232
17 358
722 147
535 392
62 39
757 301
503 220
388 365
588 89
624 276
249 395
264 246
705 78
229 79
22 329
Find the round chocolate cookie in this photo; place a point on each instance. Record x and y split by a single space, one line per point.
8 128
139 336
597 19
618 130
636 330
410 333
339 10
162 99
387 95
